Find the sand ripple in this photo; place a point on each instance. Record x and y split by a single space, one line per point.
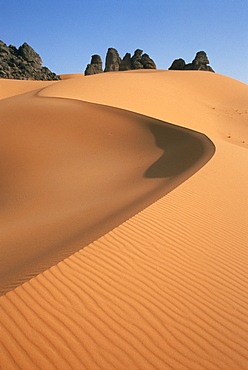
166 287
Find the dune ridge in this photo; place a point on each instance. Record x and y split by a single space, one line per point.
52 159
10 88
172 96
166 289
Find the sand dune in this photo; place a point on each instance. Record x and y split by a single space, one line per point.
71 171
174 96
9 88
167 288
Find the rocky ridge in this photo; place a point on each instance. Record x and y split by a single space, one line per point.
23 64
113 62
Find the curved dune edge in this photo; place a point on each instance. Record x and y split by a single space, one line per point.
10 88
158 292
167 289
205 102
72 171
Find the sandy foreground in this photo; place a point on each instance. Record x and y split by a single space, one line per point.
124 218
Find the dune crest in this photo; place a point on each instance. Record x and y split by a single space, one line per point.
171 96
72 171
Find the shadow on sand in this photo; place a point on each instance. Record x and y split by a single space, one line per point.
183 149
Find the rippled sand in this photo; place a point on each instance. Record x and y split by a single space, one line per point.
124 222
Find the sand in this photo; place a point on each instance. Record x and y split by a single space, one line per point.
124 222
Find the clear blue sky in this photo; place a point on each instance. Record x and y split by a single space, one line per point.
67 32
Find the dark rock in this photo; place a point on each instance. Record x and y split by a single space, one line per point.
126 63
23 64
190 67
96 59
136 59
4 50
13 50
178 64
200 59
29 54
113 61
200 63
147 62
95 65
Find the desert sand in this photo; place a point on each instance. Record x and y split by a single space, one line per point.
124 222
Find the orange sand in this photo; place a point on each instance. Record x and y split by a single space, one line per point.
162 154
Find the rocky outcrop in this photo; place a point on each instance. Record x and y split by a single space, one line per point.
95 65
126 63
115 63
178 64
136 59
28 54
23 64
199 63
140 61
147 62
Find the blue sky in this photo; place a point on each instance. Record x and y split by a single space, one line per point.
67 32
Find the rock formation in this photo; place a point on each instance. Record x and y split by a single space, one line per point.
28 54
147 62
126 63
115 63
200 63
95 65
178 64
23 64
136 59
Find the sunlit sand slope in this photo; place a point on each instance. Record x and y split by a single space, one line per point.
166 289
205 102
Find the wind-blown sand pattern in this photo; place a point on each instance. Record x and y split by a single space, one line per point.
162 283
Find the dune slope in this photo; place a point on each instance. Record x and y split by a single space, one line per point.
166 289
207 102
71 171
